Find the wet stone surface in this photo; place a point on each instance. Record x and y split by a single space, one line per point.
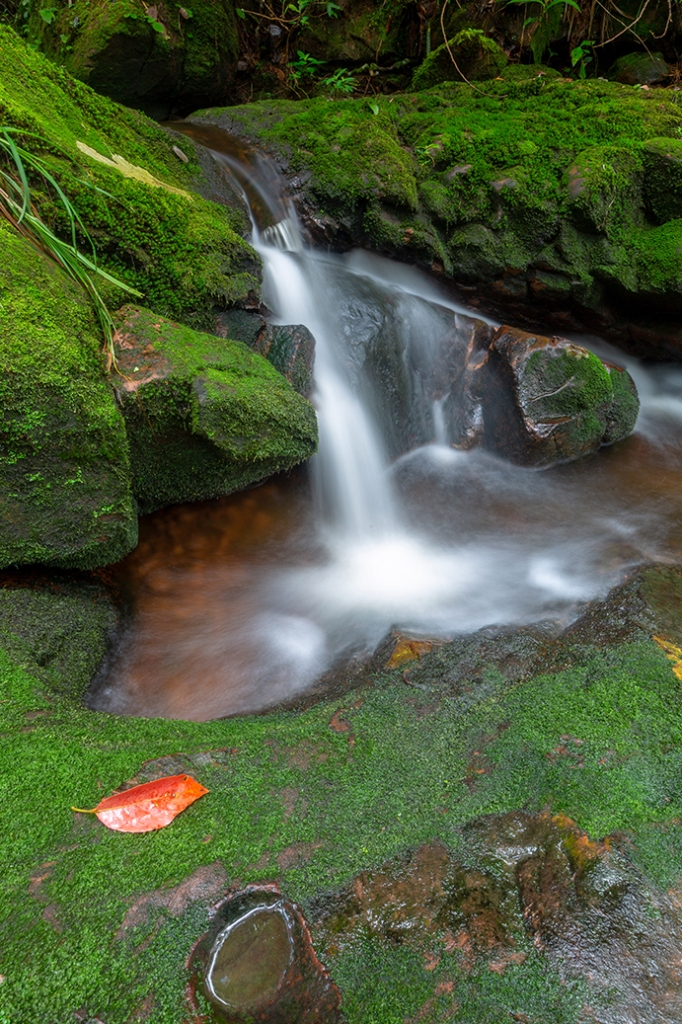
516 884
257 963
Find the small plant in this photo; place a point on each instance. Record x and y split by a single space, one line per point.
581 56
539 22
296 14
342 81
48 14
17 207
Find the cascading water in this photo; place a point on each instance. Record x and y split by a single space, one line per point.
402 531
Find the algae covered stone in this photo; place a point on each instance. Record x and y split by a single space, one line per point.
205 415
546 400
65 496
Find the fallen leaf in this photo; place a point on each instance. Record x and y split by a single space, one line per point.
673 652
150 806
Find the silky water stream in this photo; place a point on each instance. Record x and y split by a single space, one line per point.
241 603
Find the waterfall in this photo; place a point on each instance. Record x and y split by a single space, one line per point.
350 471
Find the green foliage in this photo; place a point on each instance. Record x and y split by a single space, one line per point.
17 207
341 81
581 56
542 23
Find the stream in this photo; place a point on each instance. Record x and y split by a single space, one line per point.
241 603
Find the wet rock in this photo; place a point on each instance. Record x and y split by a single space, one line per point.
519 882
257 963
204 416
290 348
639 69
546 400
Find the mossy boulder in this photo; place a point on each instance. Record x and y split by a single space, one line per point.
141 204
546 400
475 54
155 57
543 196
65 497
639 69
204 415
663 179
289 347
58 628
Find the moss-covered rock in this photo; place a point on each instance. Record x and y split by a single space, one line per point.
155 58
547 401
471 54
65 494
639 69
58 629
137 199
555 198
204 415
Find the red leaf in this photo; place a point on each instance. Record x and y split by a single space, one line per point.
147 807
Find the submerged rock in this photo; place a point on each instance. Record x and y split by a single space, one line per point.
258 963
547 400
204 416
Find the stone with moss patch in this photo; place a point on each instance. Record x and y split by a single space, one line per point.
155 58
471 55
546 401
204 415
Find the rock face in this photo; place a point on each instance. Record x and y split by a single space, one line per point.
65 497
290 348
639 69
204 415
169 56
546 400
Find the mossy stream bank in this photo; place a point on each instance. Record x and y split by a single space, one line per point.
550 199
407 768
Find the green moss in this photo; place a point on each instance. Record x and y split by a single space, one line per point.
533 173
64 472
204 416
59 632
181 251
404 779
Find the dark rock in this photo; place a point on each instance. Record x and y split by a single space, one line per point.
204 416
639 69
258 963
547 400
663 179
290 348
148 58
